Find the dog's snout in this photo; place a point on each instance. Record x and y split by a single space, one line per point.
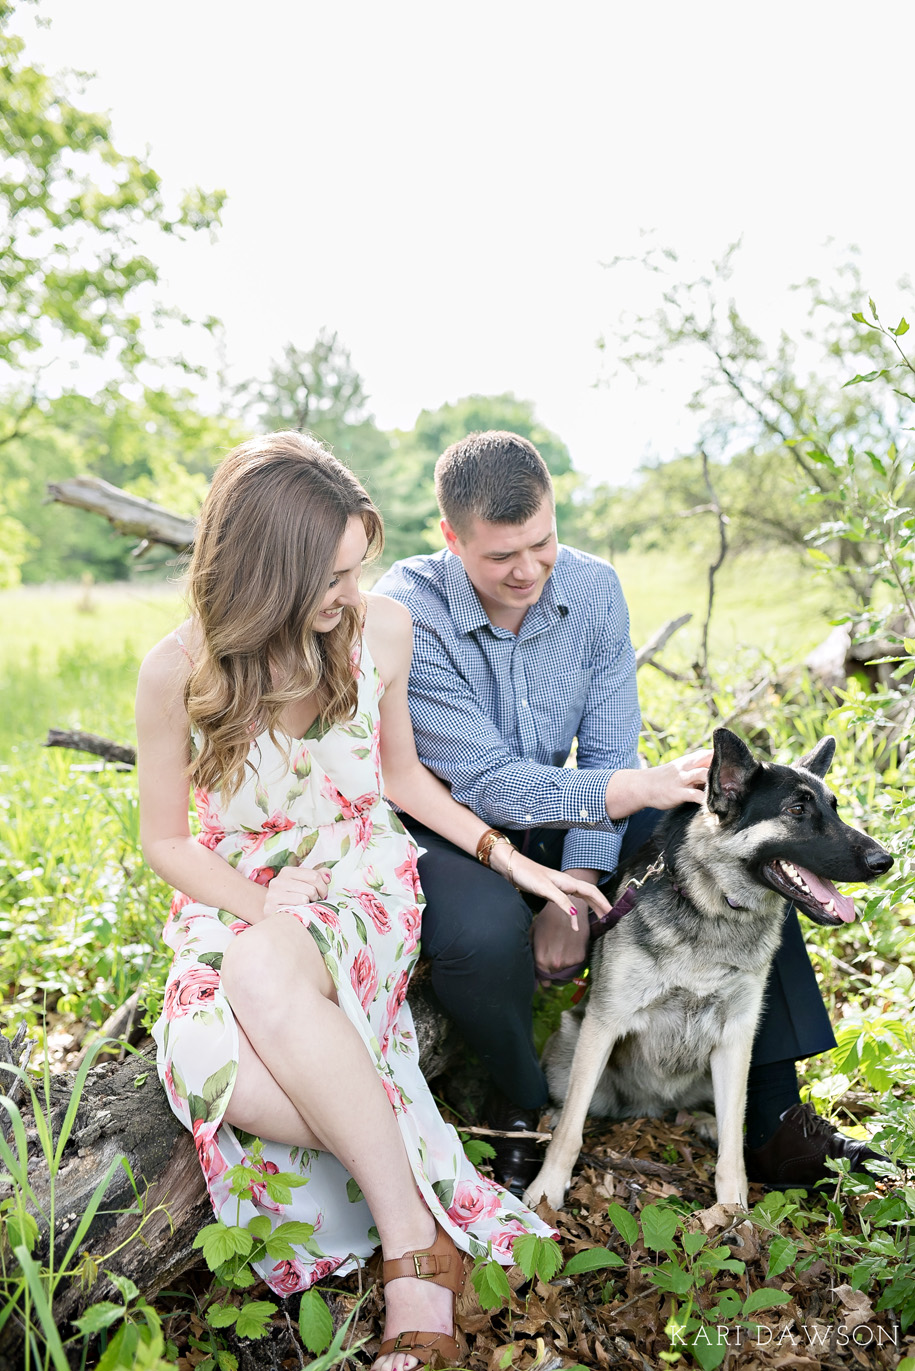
878 861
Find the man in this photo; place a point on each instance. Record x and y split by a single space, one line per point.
521 647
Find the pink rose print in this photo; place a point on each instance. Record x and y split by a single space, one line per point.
375 749
470 1203
373 907
171 1087
238 926
358 810
504 1239
277 823
263 875
364 977
322 1269
397 996
211 1161
364 830
408 873
192 990
348 808
410 921
326 915
178 903
393 1094
259 1194
212 832
288 1278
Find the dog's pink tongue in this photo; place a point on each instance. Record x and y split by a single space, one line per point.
824 891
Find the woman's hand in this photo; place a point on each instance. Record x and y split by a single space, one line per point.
295 885
548 884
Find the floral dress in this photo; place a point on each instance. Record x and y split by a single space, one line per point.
321 805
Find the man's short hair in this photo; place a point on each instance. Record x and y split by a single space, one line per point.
496 476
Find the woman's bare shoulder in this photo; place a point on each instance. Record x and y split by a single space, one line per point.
387 616
168 664
389 633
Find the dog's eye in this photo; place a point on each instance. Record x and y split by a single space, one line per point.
795 809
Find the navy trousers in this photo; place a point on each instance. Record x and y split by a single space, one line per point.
476 935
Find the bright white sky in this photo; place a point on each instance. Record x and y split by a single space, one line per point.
440 182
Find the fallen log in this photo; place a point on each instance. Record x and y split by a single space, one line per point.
155 1201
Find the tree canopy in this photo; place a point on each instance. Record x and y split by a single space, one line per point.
72 207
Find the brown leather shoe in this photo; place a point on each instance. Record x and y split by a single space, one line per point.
796 1153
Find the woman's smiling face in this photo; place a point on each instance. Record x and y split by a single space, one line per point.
343 587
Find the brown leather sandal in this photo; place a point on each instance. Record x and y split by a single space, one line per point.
442 1264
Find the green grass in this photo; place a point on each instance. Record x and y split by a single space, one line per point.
69 658
768 603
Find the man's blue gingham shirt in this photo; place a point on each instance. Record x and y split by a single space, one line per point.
495 714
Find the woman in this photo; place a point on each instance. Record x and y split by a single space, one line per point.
282 698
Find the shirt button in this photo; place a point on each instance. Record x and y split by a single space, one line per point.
527 818
583 814
524 702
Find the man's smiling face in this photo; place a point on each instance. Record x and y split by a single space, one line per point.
507 564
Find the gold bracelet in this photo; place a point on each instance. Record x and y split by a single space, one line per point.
511 854
486 844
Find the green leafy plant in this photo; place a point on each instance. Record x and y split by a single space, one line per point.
28 1283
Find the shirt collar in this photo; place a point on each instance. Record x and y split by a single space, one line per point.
468 614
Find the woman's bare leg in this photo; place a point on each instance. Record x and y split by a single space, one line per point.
283 997
259 1105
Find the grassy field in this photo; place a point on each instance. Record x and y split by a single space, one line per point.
767 603
69 657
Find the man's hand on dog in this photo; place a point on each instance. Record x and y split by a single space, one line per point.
659 787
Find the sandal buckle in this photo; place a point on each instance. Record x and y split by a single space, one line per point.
420 1257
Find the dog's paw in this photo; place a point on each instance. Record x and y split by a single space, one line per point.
546 1186
706 1125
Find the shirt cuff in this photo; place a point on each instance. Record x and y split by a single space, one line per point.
594 850
583 799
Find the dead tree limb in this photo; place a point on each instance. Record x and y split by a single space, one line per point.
648 650
129 514
715 566
92 742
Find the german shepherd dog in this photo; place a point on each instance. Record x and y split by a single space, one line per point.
677 987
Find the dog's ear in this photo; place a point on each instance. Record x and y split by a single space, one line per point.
820 759
730 774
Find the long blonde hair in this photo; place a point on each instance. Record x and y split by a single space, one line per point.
263 554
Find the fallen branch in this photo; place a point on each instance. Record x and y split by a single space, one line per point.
505 1133
656 642
94 743
616 1161
129 514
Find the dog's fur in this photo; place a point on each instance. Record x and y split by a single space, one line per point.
677 987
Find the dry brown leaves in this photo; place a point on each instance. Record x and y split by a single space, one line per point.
616 1317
